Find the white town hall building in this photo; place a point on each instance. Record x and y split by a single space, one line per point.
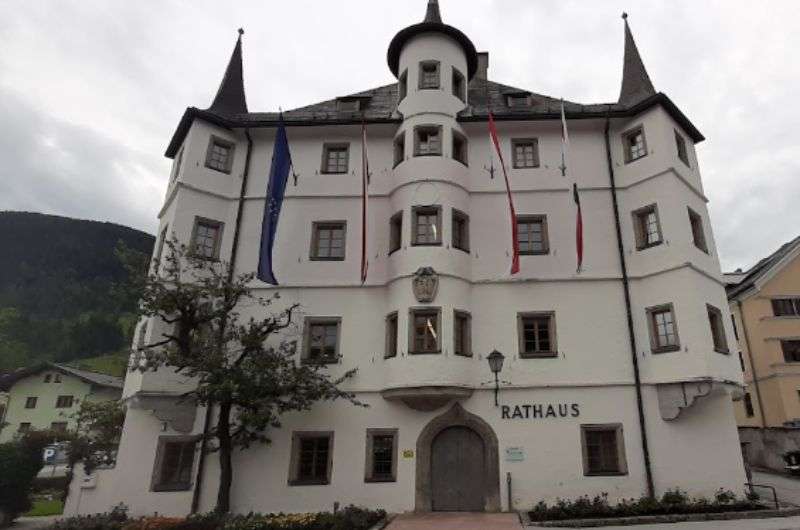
617 378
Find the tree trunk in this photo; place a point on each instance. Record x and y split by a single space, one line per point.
225 467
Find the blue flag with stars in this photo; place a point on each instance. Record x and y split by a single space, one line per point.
276 187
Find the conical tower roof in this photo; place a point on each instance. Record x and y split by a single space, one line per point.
230 98
636 84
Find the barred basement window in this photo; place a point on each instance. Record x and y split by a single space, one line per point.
429 74
460 148
396 232
427 225
391 336
683 153
219 156
603 450
462 333
399 148
525 152
698 234
460 230
635 145
786 307
335 158
532 234
717 329
424 330
663 329
30 403
402 86
381 462
206 238
428 140
173 464
321 340
328 240
537 335
64 402
748 405
791 351
312 458
459 85
646 227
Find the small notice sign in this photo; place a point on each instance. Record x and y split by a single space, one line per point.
515 454
408 453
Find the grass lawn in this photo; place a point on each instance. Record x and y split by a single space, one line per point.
44 507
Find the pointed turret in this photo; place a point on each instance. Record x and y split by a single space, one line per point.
432 14
636 84
230 98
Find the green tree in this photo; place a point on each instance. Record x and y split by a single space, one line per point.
245 371
97 433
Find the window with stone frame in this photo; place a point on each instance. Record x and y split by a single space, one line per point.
58 426
322 339
460 148
634 144
748 405
206 238
459 85
424 324
429 74
537 334
328 240
460 230
381 457
427 225
311 458
428 140
786 307
392 336
525 152
30 402
64 402
396 232
717 329
698 232
791 350
663 329
647 227
532 238
399 148
402 86
603 448
335 158
174 463
219 156
462 333
680 145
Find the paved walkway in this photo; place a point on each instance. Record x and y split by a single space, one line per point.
786 523
456 521
787 487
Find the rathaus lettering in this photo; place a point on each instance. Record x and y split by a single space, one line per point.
524 412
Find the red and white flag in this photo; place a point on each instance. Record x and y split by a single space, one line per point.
364 201
514 239
575 197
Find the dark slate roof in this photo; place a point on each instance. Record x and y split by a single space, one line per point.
230 98
636 84
93 378
761 268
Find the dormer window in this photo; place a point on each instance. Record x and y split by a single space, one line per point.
429 75
518 100
352 105
428 140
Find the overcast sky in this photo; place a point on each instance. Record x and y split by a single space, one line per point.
92 90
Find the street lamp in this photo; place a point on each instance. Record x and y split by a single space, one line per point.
496 365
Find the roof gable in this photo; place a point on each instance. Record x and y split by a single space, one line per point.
93 378
766 269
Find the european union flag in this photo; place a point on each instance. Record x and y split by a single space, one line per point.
276 187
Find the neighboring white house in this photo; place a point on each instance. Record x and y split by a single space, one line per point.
615 377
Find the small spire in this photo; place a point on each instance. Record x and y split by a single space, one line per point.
432 13
636 84
230 98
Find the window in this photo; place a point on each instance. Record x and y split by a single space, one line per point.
663 329
160 248
396 232
748 405
429 74
402 86
381 465
311 458
459 86
791 351
532 234
30 403
462 339
322 340
424 330
174 461
460 230
735 328
206 238
177 168
348 105
460 147
428 140
741 361
48 378
537 335
680 144
603 450
525 152
786 307
328 240
391 336
717 329
634 143
427 229
335 158
647 227
64 402
57 378
59 426
698 234
24 427
399 148
219 155
518 100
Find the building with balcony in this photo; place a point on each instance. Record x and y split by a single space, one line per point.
617 378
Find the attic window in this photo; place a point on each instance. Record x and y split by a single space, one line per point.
349 105
516 101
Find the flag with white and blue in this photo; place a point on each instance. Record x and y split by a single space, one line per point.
276 187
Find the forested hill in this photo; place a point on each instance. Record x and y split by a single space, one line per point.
56 278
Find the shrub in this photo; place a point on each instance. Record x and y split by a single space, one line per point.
20 462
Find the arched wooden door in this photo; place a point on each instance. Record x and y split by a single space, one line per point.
457 471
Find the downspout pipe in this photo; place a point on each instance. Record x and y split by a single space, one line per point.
631 334
752 365
198 483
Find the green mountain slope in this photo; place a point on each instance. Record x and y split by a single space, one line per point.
56 279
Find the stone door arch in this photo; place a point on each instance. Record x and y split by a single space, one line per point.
456 416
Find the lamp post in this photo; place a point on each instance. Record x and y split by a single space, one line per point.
496 365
